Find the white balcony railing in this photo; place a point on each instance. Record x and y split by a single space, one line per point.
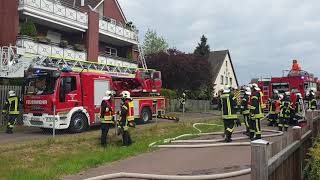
51 50
116 61
112 29
56 9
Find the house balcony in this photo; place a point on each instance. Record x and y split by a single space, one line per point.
52 12
113 33
34 48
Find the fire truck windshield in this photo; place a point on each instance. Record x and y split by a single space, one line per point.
281 87
40 85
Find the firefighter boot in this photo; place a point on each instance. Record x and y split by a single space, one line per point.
258 136
125 138
228 137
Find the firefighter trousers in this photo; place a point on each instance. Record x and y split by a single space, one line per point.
255 128
11 121
283 123
247 122
126 138
273 119
104 133
228 129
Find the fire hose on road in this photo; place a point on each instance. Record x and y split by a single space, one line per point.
208 143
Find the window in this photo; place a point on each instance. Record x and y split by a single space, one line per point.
111 51
226 83
67 85
230 81
221 79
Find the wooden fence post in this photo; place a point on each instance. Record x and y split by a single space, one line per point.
259 160
298 172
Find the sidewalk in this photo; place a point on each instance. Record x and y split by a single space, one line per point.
182 161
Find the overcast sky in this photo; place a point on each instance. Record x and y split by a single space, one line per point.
263 36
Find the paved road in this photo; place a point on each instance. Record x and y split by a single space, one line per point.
23 134
194 161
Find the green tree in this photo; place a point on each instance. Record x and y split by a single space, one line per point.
154 43
28 29
203 49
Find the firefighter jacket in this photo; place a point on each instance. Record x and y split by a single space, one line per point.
11 105
229 106
245 105
106 112
285 108
263 105
273 104
256 107
312 102
127 111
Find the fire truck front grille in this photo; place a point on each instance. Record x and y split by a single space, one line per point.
37 108
36 123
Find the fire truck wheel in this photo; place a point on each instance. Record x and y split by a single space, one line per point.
145 115
78 123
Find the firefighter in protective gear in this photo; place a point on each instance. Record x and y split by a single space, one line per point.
256 114
126 118
298 109
312 101
245 110
107 116
229 113
285 111
11 110
273 114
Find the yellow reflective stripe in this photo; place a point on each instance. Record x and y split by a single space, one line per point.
131 104
257 127
246 112
230 130
15 111
130 118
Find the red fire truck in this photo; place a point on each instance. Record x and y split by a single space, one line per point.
295 82
71 97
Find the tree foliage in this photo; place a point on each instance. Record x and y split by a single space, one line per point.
182 72
28 28
154 43
203 49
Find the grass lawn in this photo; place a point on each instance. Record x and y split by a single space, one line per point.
51 159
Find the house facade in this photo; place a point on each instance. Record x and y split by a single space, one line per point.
223 71
84 30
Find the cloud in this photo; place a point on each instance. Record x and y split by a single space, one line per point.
263 36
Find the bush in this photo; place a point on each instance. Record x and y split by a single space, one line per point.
169 94
314 172
28 29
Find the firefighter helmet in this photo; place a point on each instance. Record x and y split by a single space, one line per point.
275 91
226 91
11 93
108 95
280 96
299 95
287 93
125 94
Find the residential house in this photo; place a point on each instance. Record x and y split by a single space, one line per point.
89 30
224 74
